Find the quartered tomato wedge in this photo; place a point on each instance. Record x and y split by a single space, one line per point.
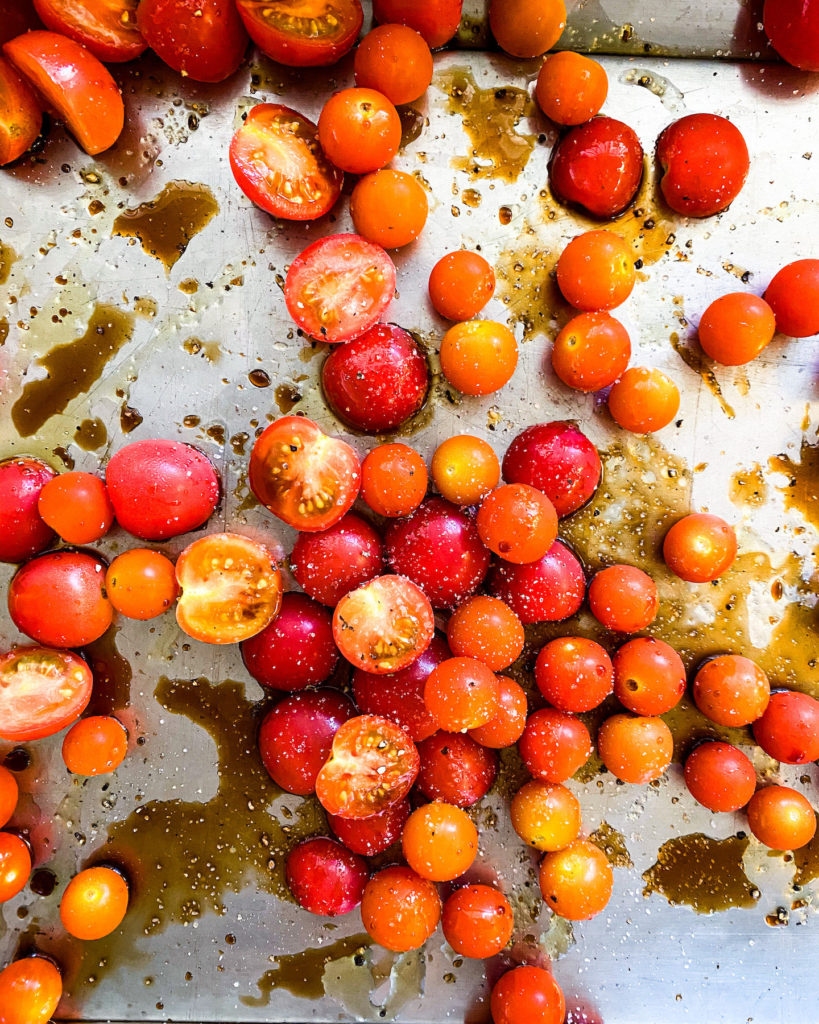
339 287
302 33
384 625
107 27
303 476
41 692
278 162
231 588
372 766
20 114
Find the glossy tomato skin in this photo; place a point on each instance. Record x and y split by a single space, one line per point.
644 400
15 866
279 29
369 836
574 674
360 130
477 921
554 745
296 736
399 909
30 990
789 727
719 776
440 842
557 459
395 60
94 903
793 295
95 745
436 20
329 564
571 88
325 877
462 694
108 29
527 995
527 28
597 166
781 818
16 17
591 352
9 794
549 590
460 285
507 724
700 547
439 549
576 883
296 650
201 39
487 629
456 769
635 748
649 676
393 480
76 505
20 115
793 29
41 692
623 598
731 690
24 533
376 381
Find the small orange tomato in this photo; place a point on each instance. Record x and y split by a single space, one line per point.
440 842
399 909
95 746
77 507
527 28
700 547
479 356
591 352
141 583
486 628
393 480
644 400
649 676
736 327
15 868
389 207
635 748
465 469
518 523
359 130
781 817
30 990
394 60
576 882
477 921
9 794
545 815
571 88
460 285
461 694
731 690
596 271
94 903
623 598
508 724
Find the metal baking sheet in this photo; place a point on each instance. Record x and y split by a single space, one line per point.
191 815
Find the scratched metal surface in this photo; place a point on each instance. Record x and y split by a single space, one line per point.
640 961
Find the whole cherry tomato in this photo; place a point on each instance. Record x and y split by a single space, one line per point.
201 39
456 769
479 356
460 285
623 598
399 909
635 748
571 88
325 878
369 836
296 649
461 694
77 507
731 690
302 33
781 818
329 564
508 722
788 729
477 921
597 166
527 995
30 990
545 815
527 28
793 295
548 590
41 692
20 115
9 791
700 547
719 776
518 523
394 60
591 352
574 674
735 328
94 903
24 533
596 272
393 480
487 629
554 745
389 208
793 29
436 20
576 882
649 676
95 746
141 583
108 28
465 469
440 842
15 867
644 400
359 130
557 459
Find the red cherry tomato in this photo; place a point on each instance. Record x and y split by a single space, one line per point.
574 674
461 694
549 590
399 909
329 564
302 33
325 878
15 866
731 690
527 28
576 883
394 60
649 676
393 480
30 990
460 285
456 769
788 729
719 776
20 115
9 791
793 295
436 20
201 39
793 29
635 749
781 818
705 162
440 842
95 746
24 533
77 507
623 598
296 649
108 28
700 547
477 921
141 584
94 903
517 522
41 692
369 836
359 130
507 724
527 995
557 459
591 352
554 745
487 629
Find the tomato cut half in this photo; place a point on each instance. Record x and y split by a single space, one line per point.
302 33
339 286
108 28
278 163
303 476
372 765
20 114
41 692
384 625
231 588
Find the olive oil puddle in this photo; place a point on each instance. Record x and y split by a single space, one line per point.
696 361
527 286
703 873
91 435
112 675
302 973
166 224
801 492
8 258
613 844
749 487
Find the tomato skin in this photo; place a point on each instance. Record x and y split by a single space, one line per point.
30 713
456 769
700 547
24 533
527 995
554 745
389 207
77 507
705 162
623 598
576 883
393 480
793 29
373 835
506 726
487 629
644 400
108 29
16 17
635 748
9 792
781 818
735 328
94 903
325 878
591 352
479 357
95 746
461 694
559 460
465 469
30 990
719 776
399 909
571 88
477 921
574 674
141 583
20 115
436 21
359 130
201 39
527 28
460 285
788 729
518 523
549 590
15 865
329 564
546 815
596 273
793 295
296 649
288 44
649 676
394 60
731 690
440 842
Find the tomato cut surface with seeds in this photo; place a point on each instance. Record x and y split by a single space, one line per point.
41 692
302 33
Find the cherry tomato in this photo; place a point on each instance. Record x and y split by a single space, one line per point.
576 882
435 20
296 649
649 676
731 690
623 598
487 629
399 909
141 584
95 746
399 696
160 489
373 835
793 29
9 791
793 295
527 995
77 507
440 842
788 729
597 166
329 564
41 692
395 61
377 381
591 352
94 903
781 818
30 990
574 674
302 33
389 208
325 878
527 28
596 272
24 533
338 287
477 921
58 599
507 724
479 356
719 776
231 588
108 28
359 130
278 163
518 523
372 764
557 459
549 590
635 748
295 738
571 88
700 547
545 815
704 161
384 625
393 480
460 285
73 82
439 549
461 694
456 769
554 745
735 328
465 469
304 477
15 866
20 115
201 39
644 400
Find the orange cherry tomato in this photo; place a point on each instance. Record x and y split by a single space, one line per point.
394 60
440 842
460 285
571 88
736 327
94 903
596 271
393 480
719 776
359 130
399 909
508 724
644 400
30 990
231 588
781 817
461 694
574 673
649 676
731 690
635 748
465 469
554 745
576 882
518 523
591 352
477 921
20 114
527 28
436 20
389 207
95 746
141 583
527 995
478 357
545 815
623 598
77 507
793 295
700 547
9 795
486 628
15 867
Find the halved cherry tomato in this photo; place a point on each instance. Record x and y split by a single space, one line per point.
700 547
372 765
338 287
395 60
436 20
303 33
24 533
360 130
384 625
793 29
41 692
77 507
393 480
74 83
477 921
94 903
303 476
793 295
705 162
20 114
15 867
576 883
400 910
96 745
527 995
527 28
644 400
571 88
201 39
30 990
460 285
108 28
278 163
736 328
9 793
141 583
597 166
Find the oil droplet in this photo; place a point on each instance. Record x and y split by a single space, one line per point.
748 486
301 973
259 378
95 206
129 418
412 124
91 435
471 197
702 872
209 350
7 259
43 882
17 760
166 224
613 844
4 329
287 396
145 306
697 362
801 492
190 286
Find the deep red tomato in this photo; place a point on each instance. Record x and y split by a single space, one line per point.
436 20
296 736
369 836
789 728
507 724
15 867
705 162
297 648
574 674
160 489
74 83
24 533
597 166
201 39
623 598
554 745
302 33
456 769
399 909
9 791
439 549
329 564
635 748
549 590
95 745
731 690
557 459
377 381
527 995
303 476
16 17
793 295
719 776
649 676
278 163
793 29
477 921
76 505
30 990
461 694
373 764
325 878
339 286
41 692
108 28
20 115
781 818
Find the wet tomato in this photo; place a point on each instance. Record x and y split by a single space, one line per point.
549 590
719 776
302 33
278 163
9 791
20 115
95 746
793 295
108 28
704 160
487 629
591 352
461 694
399 909
377 381
623 598
77 507
554 745
359 130
372 764
18 16
735 328
507 724
597 166
527 28
477 921
460 285
389 208
518 523
141 583
576 882
571 88
201 39
393 480
781 818
456 769
557 459
731 690
436 20
527 995
596 272
30 990
338 287
304 477
440 842
24 533
574 674
15 866
479 356
465 469
94 903
793 29
788 729
296 649
369 836
649 676
395 61
635 748
41 692
325 878
644 400
545 815
329 564
700 547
